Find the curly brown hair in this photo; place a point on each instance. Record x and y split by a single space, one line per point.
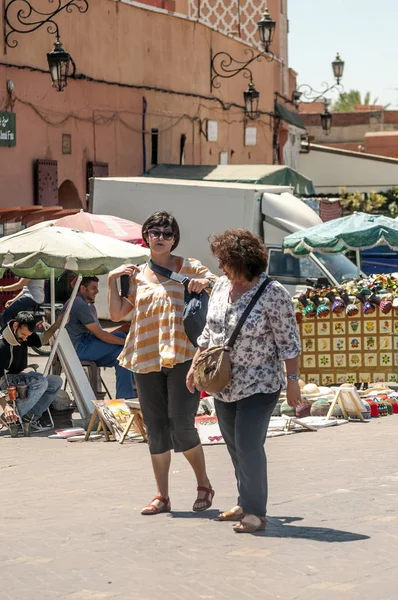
241 251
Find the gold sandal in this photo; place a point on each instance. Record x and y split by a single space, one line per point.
230 515
246 527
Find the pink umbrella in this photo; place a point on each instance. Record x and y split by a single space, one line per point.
120 229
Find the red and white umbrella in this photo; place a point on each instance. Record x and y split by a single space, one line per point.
119 229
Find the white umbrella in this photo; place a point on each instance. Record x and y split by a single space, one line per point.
33 252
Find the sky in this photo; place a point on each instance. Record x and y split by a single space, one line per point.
364 32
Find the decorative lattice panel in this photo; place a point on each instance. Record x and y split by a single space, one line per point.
237 17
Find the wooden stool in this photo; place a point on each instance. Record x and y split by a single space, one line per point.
137 418
94 377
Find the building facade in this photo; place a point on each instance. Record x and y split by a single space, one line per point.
369 129
141 94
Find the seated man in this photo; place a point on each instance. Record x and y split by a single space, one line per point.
16 338
91 342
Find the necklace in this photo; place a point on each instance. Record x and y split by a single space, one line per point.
235 294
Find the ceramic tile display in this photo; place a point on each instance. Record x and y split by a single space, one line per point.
359 344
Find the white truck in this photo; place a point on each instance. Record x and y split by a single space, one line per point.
204 208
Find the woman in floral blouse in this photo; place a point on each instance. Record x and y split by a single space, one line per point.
268 337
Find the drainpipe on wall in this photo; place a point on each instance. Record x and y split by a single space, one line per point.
143 126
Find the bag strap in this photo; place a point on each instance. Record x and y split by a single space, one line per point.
246 312
169 274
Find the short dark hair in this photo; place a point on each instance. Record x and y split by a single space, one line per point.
26 319
161 218
87 280
241 251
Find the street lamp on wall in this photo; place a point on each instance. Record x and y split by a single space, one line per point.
224 66
311 95
326 120
266 30
21 17
338 68
59 62
251 98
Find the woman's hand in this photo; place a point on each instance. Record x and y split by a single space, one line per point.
129 270
293 393
197 285
8 303
190 380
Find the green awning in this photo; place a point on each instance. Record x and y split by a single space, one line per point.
359 231
254 174
289 116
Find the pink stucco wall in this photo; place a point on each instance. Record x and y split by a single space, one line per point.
122 43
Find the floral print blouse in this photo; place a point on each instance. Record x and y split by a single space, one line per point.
269 336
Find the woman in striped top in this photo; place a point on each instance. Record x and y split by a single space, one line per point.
159 353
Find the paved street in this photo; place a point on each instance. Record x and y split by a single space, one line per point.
71 526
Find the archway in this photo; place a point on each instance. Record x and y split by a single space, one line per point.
68 196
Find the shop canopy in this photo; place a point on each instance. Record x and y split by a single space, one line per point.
289 116
256 174
359 231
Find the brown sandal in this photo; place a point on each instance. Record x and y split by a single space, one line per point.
151 509
243 527
208 499
230 515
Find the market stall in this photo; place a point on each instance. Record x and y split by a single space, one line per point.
350 334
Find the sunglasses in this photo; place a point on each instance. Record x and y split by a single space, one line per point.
157 233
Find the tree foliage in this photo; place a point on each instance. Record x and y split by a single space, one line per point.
348 100
360 202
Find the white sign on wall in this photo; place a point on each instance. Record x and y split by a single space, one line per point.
212 131
250 136
223 158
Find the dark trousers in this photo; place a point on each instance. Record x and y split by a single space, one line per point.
244 427
168 408
22 303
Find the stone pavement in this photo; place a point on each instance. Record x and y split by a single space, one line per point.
70 526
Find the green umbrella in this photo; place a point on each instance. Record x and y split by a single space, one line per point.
359 231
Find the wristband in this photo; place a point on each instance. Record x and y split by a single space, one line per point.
293 377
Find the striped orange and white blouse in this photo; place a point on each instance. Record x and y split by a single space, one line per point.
157 336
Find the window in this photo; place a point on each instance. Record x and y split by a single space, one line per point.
154 146
289 269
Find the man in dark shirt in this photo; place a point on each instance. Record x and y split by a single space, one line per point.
91 342
15 339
